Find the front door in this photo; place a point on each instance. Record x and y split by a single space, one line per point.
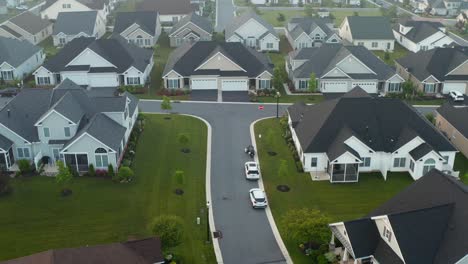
55 155
251 42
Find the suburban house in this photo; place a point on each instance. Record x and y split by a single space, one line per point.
143 251
424 223
208 65
97 63
439 70
372 32
191 28
26 26
65 123
339 68
252 31
18 58
170 11
354 3
71 25
421 35
340 138
441 7
306 32
297 2
51 9
453 122
141 28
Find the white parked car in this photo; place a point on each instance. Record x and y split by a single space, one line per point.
258 198
252 171
22 7
418 11
456 96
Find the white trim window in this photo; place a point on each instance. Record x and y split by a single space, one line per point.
394 87
375 44
23 153
446 160
366 161
66 131
387 233
313 162
102 160
429 87
147 42
133 80
429 164
303 84
46 131
173 83
411 165
43 80
7 75
399 162
265 84
139 40
62 41
269 45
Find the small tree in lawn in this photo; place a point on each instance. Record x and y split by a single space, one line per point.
306 225
169 228
278 78
63 176
184 140
409 89
125 174
312 83
309 10
166 104
180 177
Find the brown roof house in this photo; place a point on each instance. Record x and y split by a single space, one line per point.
145 251
453 122
171 11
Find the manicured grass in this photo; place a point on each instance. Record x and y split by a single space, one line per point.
339 201
271 16
461 165
36 218
340 15
397 53
48 45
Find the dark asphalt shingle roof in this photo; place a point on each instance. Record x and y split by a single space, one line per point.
437 62
72 23
167 7
187 58
306 25
238 21
370 27
30 22
385 254
457 117
5 143
377 122
117 51
420 151
363 235
197 20
92 4
421 30
16 52
145 19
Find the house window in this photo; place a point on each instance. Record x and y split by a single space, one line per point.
133 80
411 165
269 45
399 162
446 159
66 130
387 233
46 131
66 6
62 41
23 153
313 162
375 44
423 48
139 40
102 160
7 75
178 41
173 83
365 162
265 84
360 43
394 87
43 80
429 164
303 84
429 87
401 39
317 36
147 42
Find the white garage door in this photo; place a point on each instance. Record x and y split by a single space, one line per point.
204 84
234 85
370 87
335 87
80 78
461 87
103 80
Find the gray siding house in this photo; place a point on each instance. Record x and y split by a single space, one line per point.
18 58
306 32
372 32
27 26
140 28
191 28
70 25
65 123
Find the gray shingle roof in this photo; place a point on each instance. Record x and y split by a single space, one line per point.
437 62
15 52
30 22
72 23
167 7
145 19
457 117
421 30
117 51
5 143
10 31
187 58
242 19
199 21
370 27
306 25
92 4
377 122
323 59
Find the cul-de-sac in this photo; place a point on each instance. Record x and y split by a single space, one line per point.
233 131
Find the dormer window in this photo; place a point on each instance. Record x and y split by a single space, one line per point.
387 233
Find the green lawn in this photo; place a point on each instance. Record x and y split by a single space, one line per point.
271 16
49 49
339 201
36 218
340 15
397 53
461 165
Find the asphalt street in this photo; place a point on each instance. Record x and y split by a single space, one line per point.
224 14
247 235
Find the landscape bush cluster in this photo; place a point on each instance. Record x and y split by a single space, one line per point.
289 141
133 89
173 92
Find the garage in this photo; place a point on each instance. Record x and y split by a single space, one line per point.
80 78
369 87
234 85
205 84
103 80
334 87
453 86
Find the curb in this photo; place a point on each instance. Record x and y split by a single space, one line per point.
271 220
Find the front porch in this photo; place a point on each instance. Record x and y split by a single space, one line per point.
343 172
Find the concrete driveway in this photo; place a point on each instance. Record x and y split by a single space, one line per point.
224 14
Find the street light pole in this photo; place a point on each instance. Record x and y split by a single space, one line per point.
277 103
208 222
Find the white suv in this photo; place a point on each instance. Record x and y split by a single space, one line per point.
456 96
258 198
252 171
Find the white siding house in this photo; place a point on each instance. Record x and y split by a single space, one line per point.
18 59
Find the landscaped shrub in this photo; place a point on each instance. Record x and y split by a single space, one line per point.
5 187
169 228
299 166
24 166
125 174
126 163
91 171
101 173
110 171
